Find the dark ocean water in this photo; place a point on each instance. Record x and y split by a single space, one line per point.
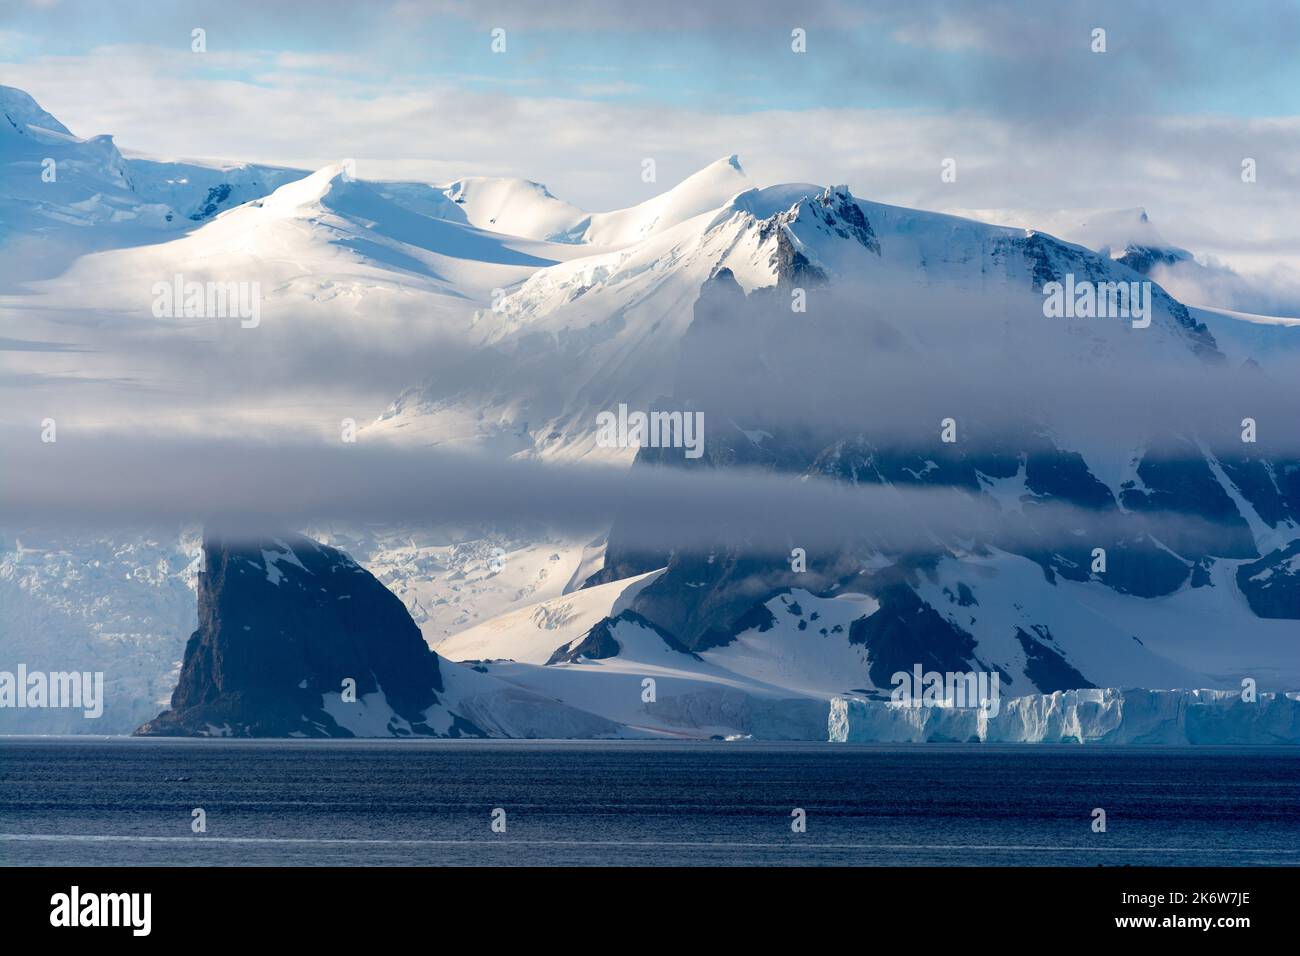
125 801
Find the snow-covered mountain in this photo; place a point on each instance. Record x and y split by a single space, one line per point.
522 208
1111 553
1130 235
824 338
1168 610
607 328
54 186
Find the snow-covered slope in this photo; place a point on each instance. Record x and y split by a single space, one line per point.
54 185
198 191
585 335
329 211
58 174
340 277
516 207
631 672
534 633
582 648
699 193
519 207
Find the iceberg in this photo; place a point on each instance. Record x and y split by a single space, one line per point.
1093 716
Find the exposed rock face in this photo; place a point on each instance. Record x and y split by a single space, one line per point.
1145 258
906 630
1272 584
599 643
283 622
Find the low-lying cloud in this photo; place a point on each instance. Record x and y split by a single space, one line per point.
112 482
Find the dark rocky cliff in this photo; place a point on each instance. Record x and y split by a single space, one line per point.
283 623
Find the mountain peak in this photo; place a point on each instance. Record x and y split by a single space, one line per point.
310 189
705 190
22 111
732 162
727 169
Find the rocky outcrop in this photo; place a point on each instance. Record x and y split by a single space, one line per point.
600 643
1272 584
287 629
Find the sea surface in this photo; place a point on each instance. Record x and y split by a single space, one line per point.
119 801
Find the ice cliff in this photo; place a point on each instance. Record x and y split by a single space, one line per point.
1093 716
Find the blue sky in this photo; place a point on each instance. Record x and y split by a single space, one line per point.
1237 59
1199 56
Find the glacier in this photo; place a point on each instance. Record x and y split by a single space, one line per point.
1093 716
